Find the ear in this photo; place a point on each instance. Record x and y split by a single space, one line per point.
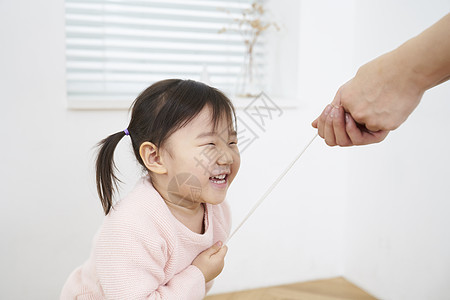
150 156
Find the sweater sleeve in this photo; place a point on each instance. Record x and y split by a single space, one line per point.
130 264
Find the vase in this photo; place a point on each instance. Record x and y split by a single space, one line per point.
248 82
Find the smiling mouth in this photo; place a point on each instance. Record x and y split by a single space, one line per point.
219 179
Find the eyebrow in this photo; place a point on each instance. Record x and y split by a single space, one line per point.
232 133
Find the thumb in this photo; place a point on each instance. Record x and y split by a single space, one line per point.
337 98
214 248
221 253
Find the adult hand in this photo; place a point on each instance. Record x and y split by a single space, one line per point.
337 127
386 90
378 99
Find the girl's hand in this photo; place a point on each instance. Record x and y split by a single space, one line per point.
211 261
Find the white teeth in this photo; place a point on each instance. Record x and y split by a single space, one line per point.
218 179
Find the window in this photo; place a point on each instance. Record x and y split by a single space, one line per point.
116 48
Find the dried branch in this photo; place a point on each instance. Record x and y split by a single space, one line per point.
251 24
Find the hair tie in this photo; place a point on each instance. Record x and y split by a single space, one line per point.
126 132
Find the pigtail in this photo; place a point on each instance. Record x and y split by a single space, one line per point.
105 170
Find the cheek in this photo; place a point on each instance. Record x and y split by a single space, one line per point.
236 165
237 162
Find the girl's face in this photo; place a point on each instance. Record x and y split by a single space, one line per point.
201 161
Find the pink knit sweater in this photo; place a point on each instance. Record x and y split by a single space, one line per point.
143 252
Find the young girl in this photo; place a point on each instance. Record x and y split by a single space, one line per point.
164 240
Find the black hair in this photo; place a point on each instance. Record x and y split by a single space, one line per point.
157 112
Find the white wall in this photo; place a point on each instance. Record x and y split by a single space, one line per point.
398 225
50 210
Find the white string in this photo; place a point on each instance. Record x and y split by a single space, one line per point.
269 190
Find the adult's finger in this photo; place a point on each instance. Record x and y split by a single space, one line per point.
359 135
329 136
321 121
339 128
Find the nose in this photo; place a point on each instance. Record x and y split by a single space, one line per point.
226 156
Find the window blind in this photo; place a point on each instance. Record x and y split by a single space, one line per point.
116 48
